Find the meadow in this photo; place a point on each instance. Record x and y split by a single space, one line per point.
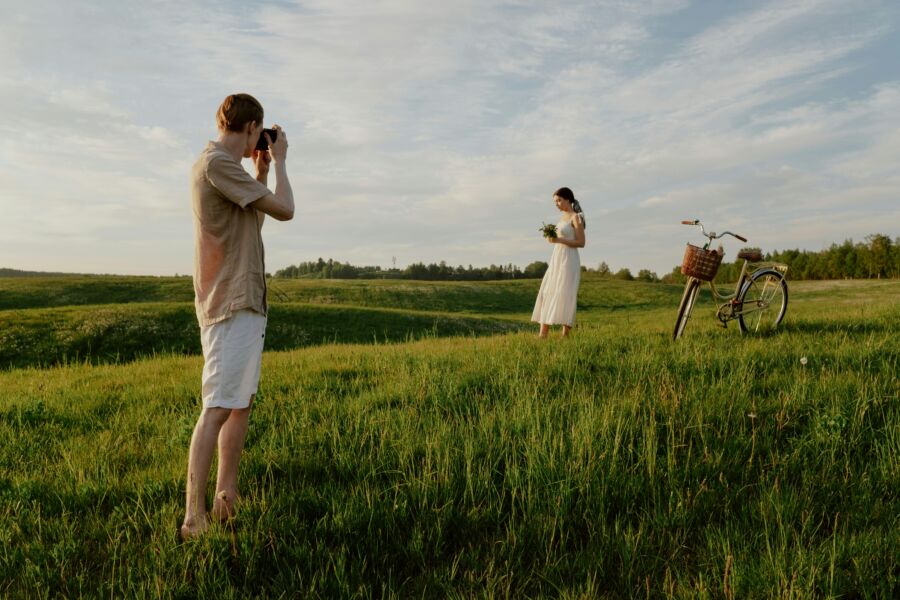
415 439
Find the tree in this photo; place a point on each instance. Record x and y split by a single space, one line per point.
880 252
675 276
416 271
895 261
647 275
603 269
536 269
625 274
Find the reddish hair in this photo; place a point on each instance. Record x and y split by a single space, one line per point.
237 110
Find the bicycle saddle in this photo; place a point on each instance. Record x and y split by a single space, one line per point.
750 255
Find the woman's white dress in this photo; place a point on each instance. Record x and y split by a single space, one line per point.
558 297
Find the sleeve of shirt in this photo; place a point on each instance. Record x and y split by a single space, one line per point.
236 184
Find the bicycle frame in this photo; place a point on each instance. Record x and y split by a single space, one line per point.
727 307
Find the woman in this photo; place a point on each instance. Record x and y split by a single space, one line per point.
557 299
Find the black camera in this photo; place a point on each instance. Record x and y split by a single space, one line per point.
261 144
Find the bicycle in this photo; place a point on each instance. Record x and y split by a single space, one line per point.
760 295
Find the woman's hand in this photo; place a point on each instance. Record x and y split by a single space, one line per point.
552 240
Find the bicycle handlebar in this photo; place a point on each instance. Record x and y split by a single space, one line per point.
724 233
712 234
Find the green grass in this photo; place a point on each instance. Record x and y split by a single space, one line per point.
44 292
125 332
128 325
613 464
490 297
513 298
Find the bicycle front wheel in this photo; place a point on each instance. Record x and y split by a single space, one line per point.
691 288
762 301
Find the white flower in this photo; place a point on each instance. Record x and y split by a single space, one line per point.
803 360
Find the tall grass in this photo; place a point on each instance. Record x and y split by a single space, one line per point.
127 325
612 464
126 332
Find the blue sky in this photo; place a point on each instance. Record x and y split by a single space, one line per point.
438 131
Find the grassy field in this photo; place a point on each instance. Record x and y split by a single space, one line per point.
468 461
51 321
513 298
126 332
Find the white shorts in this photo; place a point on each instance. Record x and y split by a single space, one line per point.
232 352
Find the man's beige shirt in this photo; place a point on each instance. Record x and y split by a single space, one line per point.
229 269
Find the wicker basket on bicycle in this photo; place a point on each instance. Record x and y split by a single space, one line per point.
700 263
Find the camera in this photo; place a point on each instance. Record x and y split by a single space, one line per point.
261 144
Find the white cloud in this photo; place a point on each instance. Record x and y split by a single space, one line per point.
430 131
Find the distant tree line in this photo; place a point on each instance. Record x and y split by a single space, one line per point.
4 272
624 274
877 257
332 269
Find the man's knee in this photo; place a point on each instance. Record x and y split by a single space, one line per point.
214 415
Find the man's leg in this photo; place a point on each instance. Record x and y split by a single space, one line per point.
203 444
231 444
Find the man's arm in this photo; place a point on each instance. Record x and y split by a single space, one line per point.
279 205
262 176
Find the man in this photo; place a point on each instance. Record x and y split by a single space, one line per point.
230 294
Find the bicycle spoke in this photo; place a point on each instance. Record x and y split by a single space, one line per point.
762 303
770 286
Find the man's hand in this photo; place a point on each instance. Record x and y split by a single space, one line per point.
278 148
261 159
279 205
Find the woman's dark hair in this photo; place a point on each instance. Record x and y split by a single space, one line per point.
567 194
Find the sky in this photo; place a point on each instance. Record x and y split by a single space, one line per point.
425 131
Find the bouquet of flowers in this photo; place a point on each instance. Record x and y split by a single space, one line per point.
549 231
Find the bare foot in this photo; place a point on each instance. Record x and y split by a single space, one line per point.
223 507
193 529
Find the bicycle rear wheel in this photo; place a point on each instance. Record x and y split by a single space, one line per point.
691 288
763 301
